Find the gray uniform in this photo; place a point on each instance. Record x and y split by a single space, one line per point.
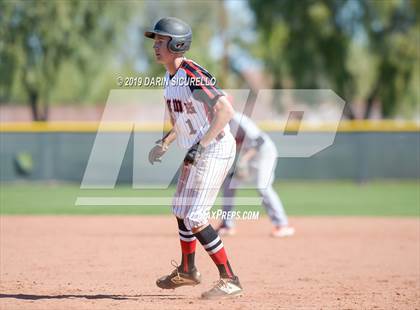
261 168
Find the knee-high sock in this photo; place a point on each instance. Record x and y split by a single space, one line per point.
212 243
188 242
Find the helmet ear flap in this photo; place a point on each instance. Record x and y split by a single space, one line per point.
176 46
171 46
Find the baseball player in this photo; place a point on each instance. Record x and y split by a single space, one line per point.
200 115
258 159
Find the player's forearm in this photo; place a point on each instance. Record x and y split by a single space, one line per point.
223 114
169 138
248 155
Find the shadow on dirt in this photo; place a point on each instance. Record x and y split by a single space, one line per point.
97 296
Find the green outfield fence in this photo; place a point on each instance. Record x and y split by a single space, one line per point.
362 151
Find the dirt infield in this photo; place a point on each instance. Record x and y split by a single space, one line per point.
112 263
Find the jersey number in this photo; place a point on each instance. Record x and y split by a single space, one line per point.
190 126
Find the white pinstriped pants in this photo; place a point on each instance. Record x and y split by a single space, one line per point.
199 185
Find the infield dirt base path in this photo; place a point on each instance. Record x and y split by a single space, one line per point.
112 263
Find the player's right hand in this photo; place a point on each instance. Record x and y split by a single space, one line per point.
242 171
156 153
193 154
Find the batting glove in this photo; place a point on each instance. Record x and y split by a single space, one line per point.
194 154
156 153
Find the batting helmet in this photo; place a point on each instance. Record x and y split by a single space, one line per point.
179 32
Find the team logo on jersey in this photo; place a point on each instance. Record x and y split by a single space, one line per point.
176 105
189 107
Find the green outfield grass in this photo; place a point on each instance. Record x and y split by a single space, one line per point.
299 198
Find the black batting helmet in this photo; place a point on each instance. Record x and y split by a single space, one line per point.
179 32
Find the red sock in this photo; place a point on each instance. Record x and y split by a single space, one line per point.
188 243
222 263
211 242
188 255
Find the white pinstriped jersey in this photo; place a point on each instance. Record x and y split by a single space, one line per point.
190 96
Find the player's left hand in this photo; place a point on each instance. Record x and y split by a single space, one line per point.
157 152
193 154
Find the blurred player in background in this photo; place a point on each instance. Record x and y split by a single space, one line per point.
257 161
200 115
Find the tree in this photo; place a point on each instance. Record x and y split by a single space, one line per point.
393 30
307 45
37 37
